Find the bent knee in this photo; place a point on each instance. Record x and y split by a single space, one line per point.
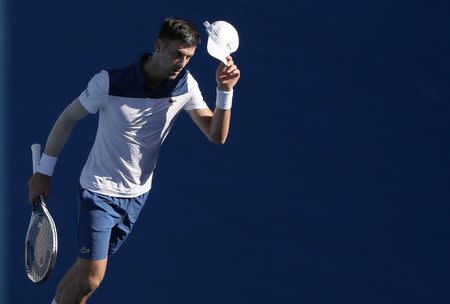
79 288
90 274
91 283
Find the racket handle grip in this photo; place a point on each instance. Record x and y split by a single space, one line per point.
36 156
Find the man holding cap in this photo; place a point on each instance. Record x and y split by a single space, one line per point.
137 107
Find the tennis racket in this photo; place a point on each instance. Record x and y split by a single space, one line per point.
41 242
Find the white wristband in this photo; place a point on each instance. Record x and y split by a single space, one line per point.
47 164
224 99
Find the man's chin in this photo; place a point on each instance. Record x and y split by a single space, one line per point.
173 75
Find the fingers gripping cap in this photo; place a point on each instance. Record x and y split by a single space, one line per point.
223 39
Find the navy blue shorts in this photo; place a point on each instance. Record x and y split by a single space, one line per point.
104 222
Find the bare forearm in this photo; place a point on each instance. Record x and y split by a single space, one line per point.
220 124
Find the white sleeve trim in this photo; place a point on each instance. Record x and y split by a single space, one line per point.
93 98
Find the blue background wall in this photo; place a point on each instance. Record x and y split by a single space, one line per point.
332 188
3 101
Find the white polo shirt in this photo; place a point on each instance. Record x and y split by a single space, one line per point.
134 120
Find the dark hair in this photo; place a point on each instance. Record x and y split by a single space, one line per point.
175 28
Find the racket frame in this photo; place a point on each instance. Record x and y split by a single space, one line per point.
40 209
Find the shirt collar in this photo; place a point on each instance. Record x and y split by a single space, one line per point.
140 69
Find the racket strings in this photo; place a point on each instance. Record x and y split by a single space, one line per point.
40 255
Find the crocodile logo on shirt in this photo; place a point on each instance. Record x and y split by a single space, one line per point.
84 250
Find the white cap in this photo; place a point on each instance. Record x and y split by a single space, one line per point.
223 39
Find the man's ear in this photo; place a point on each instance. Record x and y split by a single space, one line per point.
158 45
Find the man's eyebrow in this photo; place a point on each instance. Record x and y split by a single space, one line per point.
185 53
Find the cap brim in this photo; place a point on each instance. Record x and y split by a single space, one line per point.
216 51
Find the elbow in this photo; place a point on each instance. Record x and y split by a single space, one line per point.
218 140
65 123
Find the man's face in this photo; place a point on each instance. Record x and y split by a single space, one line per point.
173 56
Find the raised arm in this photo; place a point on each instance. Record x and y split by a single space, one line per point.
216 125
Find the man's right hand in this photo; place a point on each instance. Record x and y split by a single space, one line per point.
39 184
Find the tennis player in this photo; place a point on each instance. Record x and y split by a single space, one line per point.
137 107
